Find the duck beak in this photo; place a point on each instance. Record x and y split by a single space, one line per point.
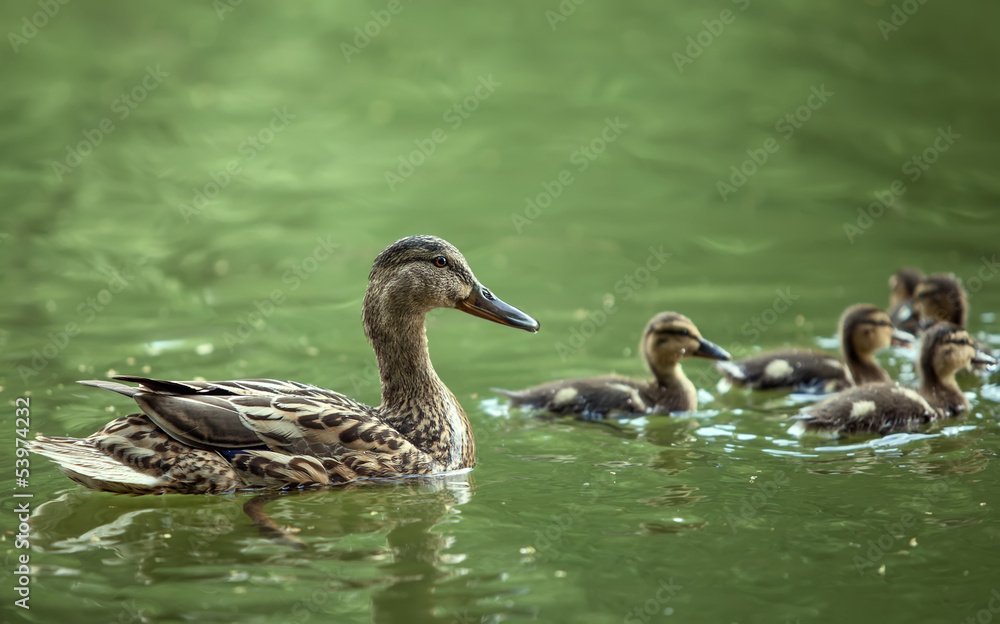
711 350
904 312
484 304
983 359
902 338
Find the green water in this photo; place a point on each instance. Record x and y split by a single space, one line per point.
716 516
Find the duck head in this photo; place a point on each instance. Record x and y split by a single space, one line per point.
946 349
670 337
865 329
902 284
940 298
417 274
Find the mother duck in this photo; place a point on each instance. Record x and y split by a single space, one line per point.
197 437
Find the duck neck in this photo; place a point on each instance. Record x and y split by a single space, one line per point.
866 370
675 391
943 393
404 362
863 367
415 402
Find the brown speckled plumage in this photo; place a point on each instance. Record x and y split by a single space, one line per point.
864 329
668 338
200 437
887 408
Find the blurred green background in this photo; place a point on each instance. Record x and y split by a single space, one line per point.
171 169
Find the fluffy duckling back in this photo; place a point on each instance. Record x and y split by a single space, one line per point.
902 286
864 329
668 338
888 407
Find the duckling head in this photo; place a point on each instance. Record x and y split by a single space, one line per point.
946 349
865 329
670 337
417 274
902 284
940 297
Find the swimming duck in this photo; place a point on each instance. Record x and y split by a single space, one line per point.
889 407
941 298
668 338
864 329
198 437
902 286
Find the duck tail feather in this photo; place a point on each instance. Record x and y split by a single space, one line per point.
84 463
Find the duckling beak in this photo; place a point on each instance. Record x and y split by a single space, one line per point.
904 312
711 350
902 338
484 304
984 359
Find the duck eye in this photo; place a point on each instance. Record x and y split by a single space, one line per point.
440 262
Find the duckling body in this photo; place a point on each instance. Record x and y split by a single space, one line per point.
889 407
864 329
798 370
199 437
668 338
902 287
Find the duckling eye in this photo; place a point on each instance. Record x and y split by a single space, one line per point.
440 262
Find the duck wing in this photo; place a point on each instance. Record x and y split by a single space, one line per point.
876 408
258 413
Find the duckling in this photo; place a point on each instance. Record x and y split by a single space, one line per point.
864 329
669 337
902 286
940 298
889 407
198 437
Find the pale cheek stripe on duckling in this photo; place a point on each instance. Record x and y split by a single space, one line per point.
860 409
778 369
